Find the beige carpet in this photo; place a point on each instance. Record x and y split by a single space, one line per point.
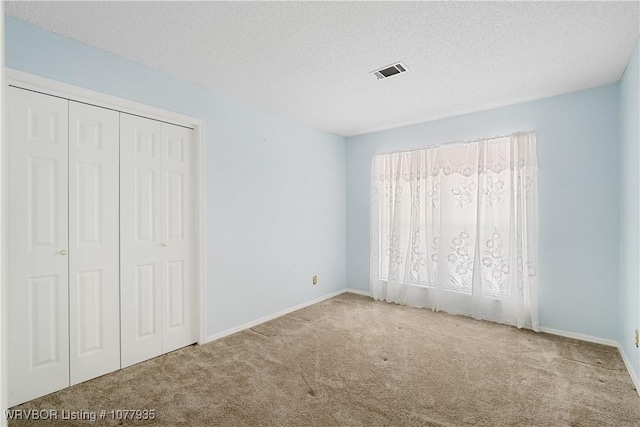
354 361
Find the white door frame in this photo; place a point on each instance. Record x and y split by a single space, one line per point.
63 90
4 314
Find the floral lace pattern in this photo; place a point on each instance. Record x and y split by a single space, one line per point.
460 260
418 258
394 256
435 247
464 193
457 221
496 266
434 194
494 191
465 159
523 184
394 196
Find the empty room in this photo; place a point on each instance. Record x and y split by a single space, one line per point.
320 213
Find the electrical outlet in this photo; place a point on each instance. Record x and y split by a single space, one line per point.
315 280
636 338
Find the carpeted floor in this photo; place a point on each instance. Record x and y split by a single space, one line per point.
353 361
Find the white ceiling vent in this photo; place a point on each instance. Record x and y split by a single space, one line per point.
390 70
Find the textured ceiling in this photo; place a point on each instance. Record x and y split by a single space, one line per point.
310 61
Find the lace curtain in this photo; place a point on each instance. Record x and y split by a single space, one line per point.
454 228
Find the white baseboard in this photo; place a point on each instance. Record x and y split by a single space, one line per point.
574 335
603 341
632 374
358 291
581 337
271 317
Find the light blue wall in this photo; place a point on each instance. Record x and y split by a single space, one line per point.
630 209
276 190
275 197
578 152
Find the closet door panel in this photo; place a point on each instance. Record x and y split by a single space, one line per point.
94 298
177 143
37 142
140 238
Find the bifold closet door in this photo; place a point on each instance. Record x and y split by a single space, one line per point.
177 266
37 146
140 239
94 282
156 269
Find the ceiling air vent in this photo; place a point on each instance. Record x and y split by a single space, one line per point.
390 70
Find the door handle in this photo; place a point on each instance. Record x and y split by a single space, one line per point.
164 245
63 252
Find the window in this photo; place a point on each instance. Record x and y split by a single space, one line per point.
458 220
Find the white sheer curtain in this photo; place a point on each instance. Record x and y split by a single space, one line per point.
454 228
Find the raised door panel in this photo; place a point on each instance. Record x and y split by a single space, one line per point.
177 264
42 190
37 147
94 241
140 238
146 215
43 307
145 290
89 309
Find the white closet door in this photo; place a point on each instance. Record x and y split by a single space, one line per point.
37 142
155 224
140 238
177 265
94 299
